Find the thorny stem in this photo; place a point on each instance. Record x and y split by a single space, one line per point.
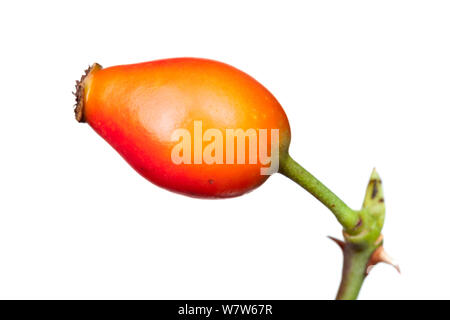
362 228
353 272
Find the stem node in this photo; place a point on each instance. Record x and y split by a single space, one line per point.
363 245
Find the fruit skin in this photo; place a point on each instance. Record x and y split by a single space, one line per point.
136 108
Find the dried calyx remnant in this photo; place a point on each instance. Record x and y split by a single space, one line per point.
79 93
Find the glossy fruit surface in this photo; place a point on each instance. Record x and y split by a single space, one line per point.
137 108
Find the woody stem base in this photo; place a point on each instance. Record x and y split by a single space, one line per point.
354 271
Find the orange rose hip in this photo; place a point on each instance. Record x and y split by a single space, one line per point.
139 109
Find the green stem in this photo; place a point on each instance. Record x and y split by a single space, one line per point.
347 217
353 272
362 229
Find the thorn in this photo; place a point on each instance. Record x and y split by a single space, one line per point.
368 269
380 256
340 243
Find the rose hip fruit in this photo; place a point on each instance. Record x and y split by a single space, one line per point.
137 108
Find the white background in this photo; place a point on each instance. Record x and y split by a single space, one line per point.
364 84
